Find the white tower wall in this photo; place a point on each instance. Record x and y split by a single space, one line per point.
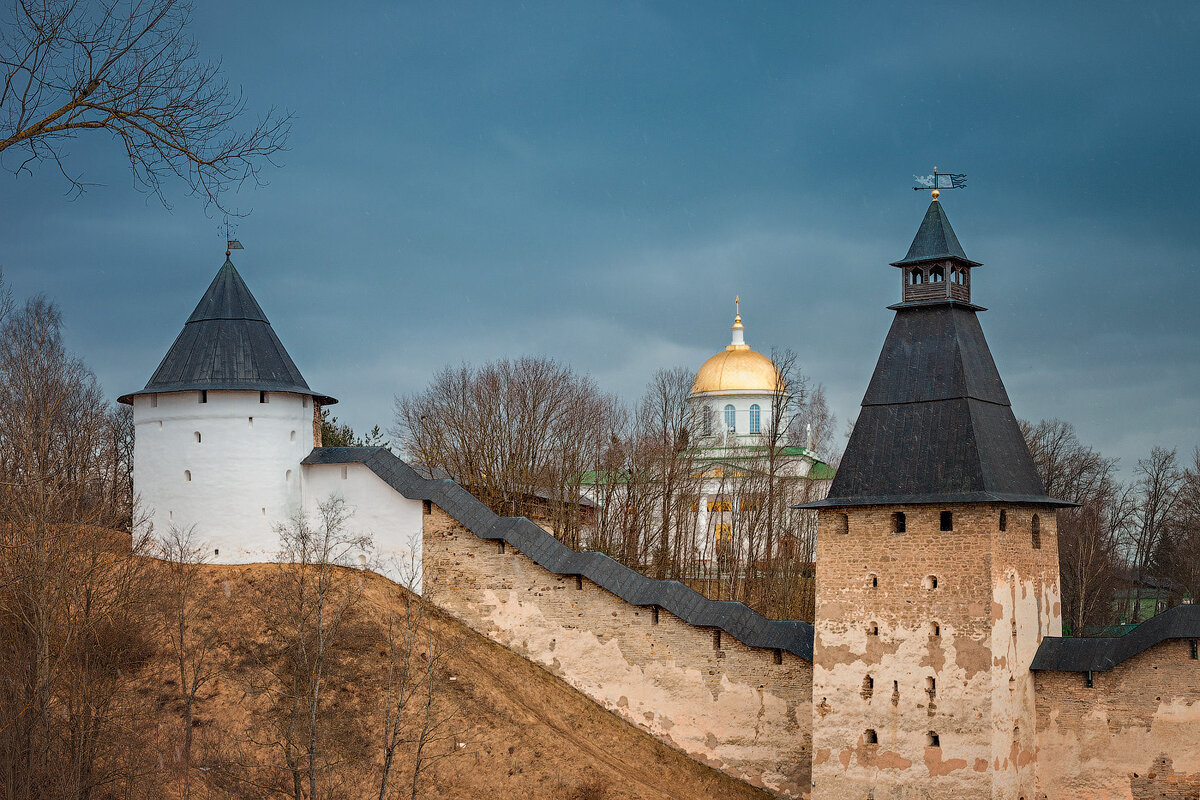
240 480
393 521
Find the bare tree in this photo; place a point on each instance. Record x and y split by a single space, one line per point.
191 647
75 600
519 434
1158 491
1178 555
1089 537
306 607
127 67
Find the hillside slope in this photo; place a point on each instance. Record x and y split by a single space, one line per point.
518 732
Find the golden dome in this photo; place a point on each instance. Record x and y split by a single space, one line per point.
737 369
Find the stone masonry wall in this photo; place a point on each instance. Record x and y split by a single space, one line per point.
903 660
743 710
1134 734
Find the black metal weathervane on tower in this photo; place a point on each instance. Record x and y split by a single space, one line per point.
231 243
940 180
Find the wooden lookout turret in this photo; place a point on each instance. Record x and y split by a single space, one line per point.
935 268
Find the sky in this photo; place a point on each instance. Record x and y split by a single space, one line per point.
595 182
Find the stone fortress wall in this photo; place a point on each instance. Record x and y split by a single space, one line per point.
755 712
1134 733
743 710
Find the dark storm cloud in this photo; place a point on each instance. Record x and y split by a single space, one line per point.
595 182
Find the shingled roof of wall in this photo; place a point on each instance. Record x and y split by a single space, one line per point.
747 626
1066 654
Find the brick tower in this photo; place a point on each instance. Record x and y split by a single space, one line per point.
938 562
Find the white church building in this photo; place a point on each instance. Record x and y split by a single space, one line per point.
227 439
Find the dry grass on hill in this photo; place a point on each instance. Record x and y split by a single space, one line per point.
517 731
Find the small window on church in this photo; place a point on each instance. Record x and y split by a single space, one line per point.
1003 520
932 740
204 395
931 685
653 615
426 506
898 522
730 419
843 523
196 436
262 397
1035 528
935 629
931 582
873 629
187 475
868 687
717 639
706 421
873 581
947 520
870 737
579 582
778 656
154 401
287 476
293 436
755 418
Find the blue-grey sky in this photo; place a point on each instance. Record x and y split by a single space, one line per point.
596 181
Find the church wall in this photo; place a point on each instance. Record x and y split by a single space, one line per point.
245 470
732 708
391 520
1134 734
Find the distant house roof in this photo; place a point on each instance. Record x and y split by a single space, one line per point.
739 621
935 425
227 343
1063 654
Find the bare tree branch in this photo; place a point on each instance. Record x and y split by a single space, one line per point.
127 67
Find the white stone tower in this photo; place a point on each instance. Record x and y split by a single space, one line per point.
222 426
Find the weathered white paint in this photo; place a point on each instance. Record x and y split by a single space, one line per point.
239 488
391 520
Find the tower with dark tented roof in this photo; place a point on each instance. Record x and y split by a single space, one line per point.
938 561
222 426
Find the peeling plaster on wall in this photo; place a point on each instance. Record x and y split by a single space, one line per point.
734 709
1110 741
981 706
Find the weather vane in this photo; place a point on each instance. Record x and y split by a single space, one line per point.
231 243
940 180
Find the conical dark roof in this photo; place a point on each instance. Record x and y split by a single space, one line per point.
936 425
935 240
228 343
